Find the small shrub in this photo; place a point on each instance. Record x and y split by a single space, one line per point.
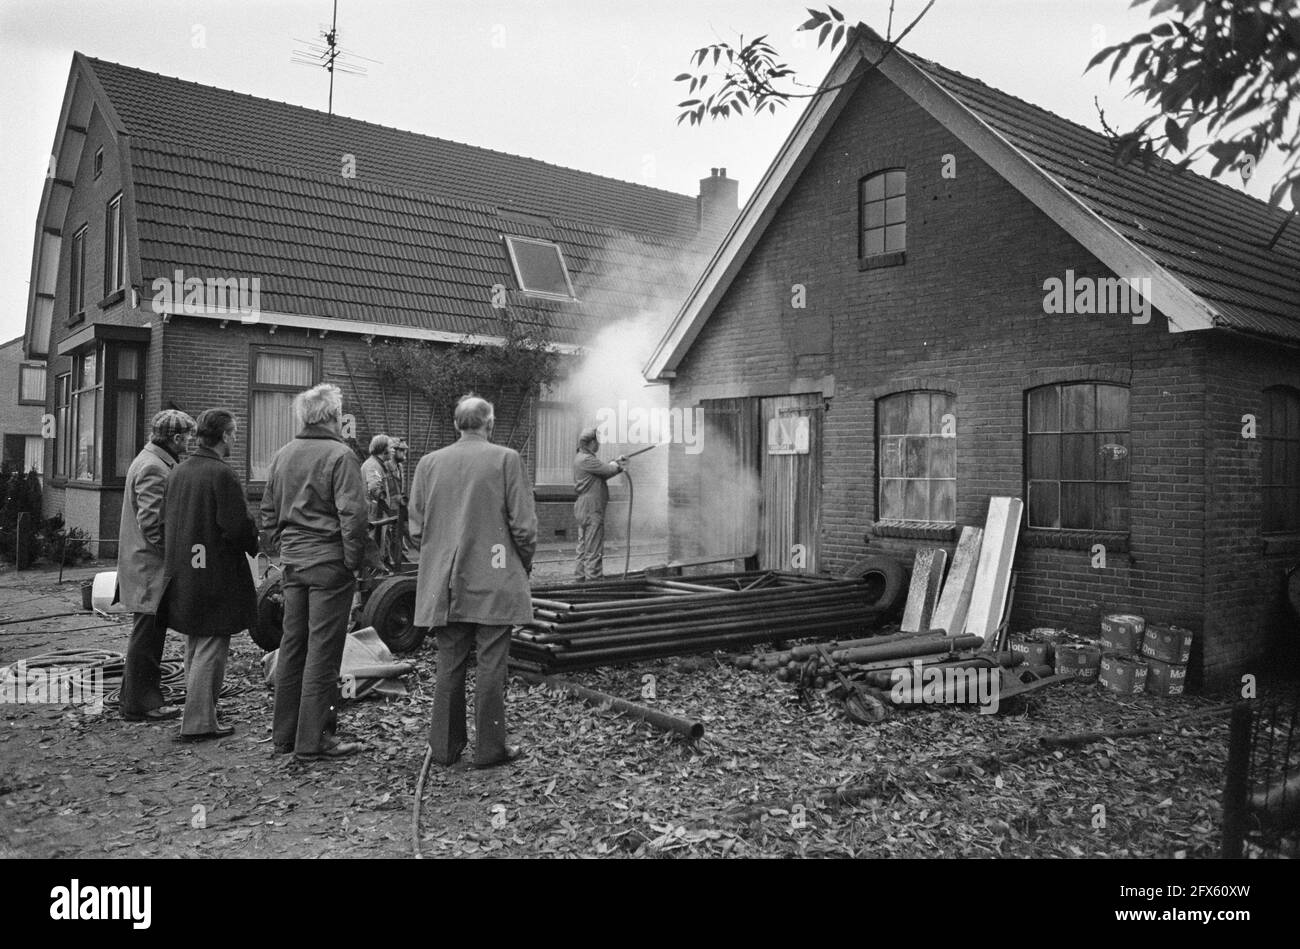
63 545
20 516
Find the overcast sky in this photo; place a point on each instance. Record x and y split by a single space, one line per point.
582 83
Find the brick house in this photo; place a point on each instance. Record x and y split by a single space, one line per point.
305 239
22 402
895 296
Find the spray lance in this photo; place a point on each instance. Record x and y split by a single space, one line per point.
627 556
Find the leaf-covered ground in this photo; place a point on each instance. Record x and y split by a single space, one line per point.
595 783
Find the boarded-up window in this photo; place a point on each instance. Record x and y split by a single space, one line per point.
278 375
916 452
1280 477
1077 457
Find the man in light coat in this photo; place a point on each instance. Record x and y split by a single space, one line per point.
472 518
209 595
140 545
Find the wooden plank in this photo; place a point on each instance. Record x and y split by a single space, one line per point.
954 602
927 576
993 575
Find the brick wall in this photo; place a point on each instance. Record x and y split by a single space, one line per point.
965 314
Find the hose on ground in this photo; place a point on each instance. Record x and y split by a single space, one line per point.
419 795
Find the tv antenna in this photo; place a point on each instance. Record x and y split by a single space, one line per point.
325 53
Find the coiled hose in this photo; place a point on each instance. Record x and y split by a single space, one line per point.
70 662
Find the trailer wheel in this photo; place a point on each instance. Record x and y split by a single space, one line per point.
886 580
390 609
269 628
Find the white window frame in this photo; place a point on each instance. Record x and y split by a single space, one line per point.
519 277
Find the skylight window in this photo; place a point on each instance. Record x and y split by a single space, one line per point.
539 268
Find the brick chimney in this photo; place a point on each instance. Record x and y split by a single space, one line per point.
718 202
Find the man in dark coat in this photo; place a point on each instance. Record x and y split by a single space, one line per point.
314 511
140 540
209 592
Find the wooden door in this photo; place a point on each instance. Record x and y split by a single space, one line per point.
791 478
727 522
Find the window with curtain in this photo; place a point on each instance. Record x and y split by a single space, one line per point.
62 424
127 401
557 436
1280 474
34 454
87 392
77 276
1077 457
882 213
114 258
916 452
277 376
31 385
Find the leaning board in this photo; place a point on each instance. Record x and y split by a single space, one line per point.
927 576
993 575
954 602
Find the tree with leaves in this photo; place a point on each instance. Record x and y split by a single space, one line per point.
749 78
1225 73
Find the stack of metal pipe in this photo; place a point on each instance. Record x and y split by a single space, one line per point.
582 625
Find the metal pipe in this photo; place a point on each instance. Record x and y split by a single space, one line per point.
603 656
687 727
923 646
704 613
793 617
754 599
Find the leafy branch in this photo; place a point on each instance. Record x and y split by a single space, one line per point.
749 77
510 372
1212 66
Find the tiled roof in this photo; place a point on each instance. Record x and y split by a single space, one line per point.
1210 236
228 184
262 131
378 254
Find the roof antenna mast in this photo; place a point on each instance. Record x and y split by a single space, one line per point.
325 52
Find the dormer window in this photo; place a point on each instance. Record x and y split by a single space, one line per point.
882 211
539 268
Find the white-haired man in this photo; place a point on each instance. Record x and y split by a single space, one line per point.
314 509
472 517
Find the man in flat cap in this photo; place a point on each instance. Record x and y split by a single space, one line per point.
589 477
140 567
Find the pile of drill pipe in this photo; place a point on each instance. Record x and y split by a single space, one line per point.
583 625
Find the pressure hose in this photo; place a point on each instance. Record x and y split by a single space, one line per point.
627 554
631 492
